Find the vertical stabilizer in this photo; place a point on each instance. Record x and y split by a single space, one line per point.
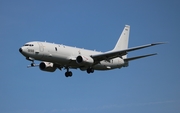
123 40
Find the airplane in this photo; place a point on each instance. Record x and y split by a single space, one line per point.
53 56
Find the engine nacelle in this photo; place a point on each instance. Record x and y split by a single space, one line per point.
47 66
84 60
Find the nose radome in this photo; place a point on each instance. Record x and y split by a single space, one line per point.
20 50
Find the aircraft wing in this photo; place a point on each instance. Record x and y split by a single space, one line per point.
114 54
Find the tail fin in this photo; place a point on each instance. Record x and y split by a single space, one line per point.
123 40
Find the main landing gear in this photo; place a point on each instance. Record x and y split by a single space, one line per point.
68 73
90 70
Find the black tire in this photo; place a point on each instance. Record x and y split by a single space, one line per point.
66 74
88 71
92 70
32 64
70 74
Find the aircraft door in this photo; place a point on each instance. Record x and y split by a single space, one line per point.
40 54
41 47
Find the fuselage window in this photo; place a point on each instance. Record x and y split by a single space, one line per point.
56 48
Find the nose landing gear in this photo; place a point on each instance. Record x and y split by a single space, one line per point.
32 64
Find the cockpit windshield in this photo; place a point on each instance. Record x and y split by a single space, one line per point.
28 45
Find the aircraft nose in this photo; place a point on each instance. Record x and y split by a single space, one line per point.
20 50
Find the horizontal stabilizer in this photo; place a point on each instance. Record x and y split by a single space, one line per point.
138 57
144 46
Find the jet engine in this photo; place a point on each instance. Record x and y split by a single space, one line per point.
47 66
84 60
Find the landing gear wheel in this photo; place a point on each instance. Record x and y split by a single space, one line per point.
90 70
68 74
32 64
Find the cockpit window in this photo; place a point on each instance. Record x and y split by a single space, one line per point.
28 45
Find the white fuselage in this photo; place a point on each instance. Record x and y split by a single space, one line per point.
65 56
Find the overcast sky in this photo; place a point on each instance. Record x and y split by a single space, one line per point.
149 85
